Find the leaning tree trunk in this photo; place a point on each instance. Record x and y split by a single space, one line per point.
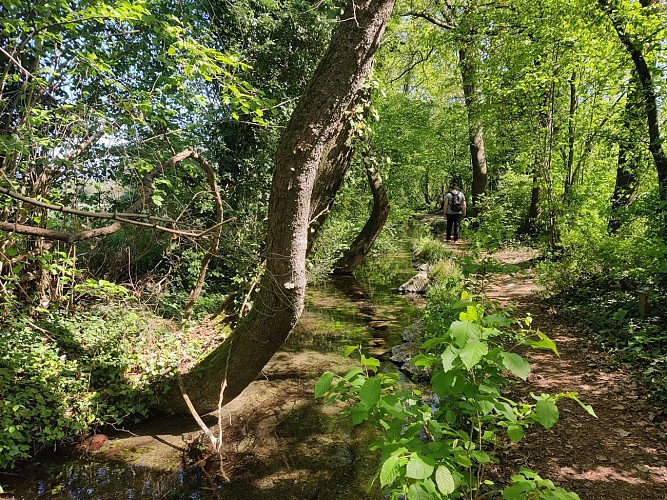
300 152
362 244
475 129
337 158
629 160
648 92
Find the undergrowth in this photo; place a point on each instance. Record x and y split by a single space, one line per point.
64 374
599 281
440 440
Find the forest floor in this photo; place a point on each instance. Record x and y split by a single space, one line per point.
621 455
280 443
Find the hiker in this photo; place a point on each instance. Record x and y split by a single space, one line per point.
455 210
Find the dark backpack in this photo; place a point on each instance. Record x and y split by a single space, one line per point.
456 204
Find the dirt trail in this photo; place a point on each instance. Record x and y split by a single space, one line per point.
621 455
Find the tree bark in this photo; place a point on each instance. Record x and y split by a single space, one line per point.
569 159
475 130
330 174
634 47
300 153
529 225
629 161
362 244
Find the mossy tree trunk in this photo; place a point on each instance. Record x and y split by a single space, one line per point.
635 49
302 149
362 244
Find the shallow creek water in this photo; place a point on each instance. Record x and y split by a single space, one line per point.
279 442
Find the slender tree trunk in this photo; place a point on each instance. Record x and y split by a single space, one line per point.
362 244
648 92
629 161
529 225
330 175
425 189
300 153
475 129
570 179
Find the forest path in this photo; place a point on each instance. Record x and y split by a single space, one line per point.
621 455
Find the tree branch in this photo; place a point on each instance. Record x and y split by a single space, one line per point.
119 217
422 59
432 20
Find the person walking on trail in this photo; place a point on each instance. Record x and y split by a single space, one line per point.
455 210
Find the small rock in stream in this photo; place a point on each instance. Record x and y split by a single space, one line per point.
416 284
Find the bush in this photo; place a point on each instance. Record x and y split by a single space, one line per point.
438 441
431 250
67 374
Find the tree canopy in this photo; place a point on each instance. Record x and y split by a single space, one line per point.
202 160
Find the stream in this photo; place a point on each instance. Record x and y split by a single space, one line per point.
279 442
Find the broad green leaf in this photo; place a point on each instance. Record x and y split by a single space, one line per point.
419 467
372 363
544 343
431 342
445 480
390 470
546 412
516 364
505 409
469 314
349 350
515 433
518 490
370 392
473 352
448 358
461 331
323 384
445 384
496 320
358 414
416 492
481 457
353 372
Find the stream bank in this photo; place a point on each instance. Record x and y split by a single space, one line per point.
278 442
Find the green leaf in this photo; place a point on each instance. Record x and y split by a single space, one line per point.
588 408
445 384
349 350
416 492
323 384
515 433
546 412
544 343
473 352
461 331
518 490
516 364
419 467
371 363
448 358
353 372
390 470
370 392
358 414
496 320
445 480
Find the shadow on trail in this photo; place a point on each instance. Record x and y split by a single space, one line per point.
621 455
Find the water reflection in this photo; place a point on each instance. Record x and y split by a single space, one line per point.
364 311
92 479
